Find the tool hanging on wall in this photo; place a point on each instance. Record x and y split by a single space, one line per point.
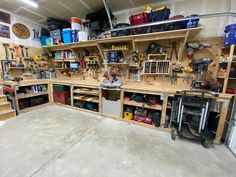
12 50
174 77
6 47
26 51
195 46
154 48
174 50
22 51
16 51
177 67
5 62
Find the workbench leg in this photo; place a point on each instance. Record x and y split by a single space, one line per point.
100 101
121 103
50 92
221 123
71 95
163 113
17 101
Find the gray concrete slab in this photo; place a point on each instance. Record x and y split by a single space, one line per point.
60 142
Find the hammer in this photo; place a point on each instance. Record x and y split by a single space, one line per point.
22 51
26 51
6 49
12 52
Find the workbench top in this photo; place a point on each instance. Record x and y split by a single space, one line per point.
160 88
89 83
136 86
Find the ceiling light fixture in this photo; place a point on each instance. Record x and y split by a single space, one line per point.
31 3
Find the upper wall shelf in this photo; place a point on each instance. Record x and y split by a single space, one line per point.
165 35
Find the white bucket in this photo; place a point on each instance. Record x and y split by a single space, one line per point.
76 23
83 36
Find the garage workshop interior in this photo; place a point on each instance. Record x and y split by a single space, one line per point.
117 88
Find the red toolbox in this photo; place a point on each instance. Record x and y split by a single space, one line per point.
139 19
60 97
145 120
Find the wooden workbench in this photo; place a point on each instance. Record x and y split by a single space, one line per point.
146 88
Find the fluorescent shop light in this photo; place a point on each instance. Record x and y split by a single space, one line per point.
31 3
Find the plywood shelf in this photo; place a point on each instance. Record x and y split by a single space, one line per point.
143 105
164 35
29 95
220 77
66 60
115 63
18 68
85 92
110 50
93 100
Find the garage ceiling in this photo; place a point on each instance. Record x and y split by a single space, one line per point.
65 9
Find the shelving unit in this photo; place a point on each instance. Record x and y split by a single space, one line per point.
225 80
88 98
27 101
29 95
142 105
161 106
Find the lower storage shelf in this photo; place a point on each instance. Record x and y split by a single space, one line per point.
143 105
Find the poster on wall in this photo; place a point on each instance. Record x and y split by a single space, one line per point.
5 17
4 31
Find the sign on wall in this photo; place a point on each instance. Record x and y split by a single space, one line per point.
21 31
4 31
5 17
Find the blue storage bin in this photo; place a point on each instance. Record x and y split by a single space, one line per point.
43 40
74 34
192 23
230 34
66 34
49 41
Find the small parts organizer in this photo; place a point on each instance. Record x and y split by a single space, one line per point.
157 64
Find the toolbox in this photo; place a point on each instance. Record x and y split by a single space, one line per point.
139 19
160 14
176 25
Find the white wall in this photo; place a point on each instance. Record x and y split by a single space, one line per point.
212 26
30 24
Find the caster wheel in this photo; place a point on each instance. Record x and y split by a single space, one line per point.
205 143
173 134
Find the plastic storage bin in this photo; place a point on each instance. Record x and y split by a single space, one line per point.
66 35
61 88
192 23
43 40
139 19
160 14
74 35
230 34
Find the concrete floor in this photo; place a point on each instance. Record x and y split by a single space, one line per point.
55 141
